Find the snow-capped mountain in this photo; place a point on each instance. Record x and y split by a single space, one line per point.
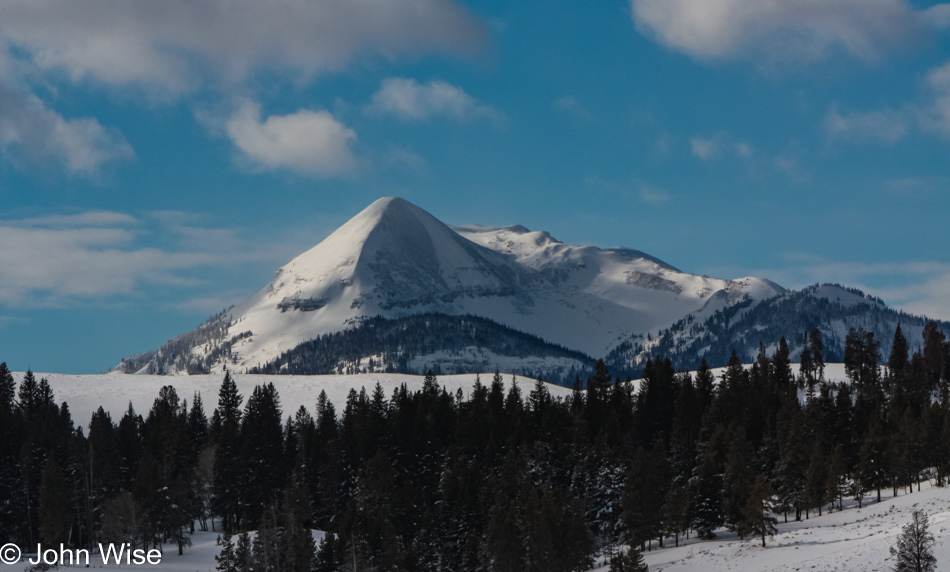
713 334
394 260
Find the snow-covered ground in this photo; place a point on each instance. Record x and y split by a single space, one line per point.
853 539
114 391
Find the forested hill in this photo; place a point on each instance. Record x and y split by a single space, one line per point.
832 309
444 344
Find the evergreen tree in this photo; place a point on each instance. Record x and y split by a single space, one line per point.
226 487
835 482
757 512
933 354
806 365
10 443
706 492
225 559
817 348
327 557
676 511
55 503
816 479
262 447
915 545
630 560
243 553
900 352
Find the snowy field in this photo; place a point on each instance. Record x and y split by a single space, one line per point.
114 391
853 539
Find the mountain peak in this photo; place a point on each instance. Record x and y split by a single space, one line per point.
395 260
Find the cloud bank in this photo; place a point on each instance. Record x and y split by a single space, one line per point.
54 260
172 46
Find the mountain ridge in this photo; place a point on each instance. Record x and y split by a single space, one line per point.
394 260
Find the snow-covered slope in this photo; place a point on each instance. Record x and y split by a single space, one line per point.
850 540
713 332
394 259
114 391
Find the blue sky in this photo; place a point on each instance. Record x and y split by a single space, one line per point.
159 160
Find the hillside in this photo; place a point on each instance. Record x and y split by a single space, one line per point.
713 334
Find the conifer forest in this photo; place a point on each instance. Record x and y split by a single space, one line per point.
503 477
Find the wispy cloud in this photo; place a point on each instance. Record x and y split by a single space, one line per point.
569 104
704 148
773 32
57 259
887 126
720 144
653 195
642 191
928 112
31 134
409 100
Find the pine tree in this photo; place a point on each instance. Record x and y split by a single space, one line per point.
835 482
225 559
55 503
817 354
226 500
914 550
816 479
262 448
900 351
243 553
676 511
933 354
630 560
757 513
10 437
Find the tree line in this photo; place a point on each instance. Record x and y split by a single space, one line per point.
502 478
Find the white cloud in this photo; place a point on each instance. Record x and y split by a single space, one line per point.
936 117
930 112
937 16
409 100
308 142
31 133
744 150
170 47
55 259
705 149
887 126
778 31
